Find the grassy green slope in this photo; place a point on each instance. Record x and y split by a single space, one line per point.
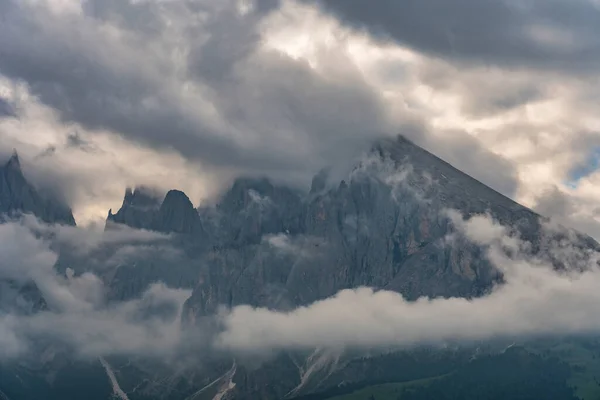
514 374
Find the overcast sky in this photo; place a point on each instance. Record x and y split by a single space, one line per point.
100 94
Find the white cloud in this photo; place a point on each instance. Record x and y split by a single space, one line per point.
92 179
149 326
535 300
85 239
296 245
79 316
280 95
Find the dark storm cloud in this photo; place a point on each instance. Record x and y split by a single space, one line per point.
540 33
250 109
565 209
100 84
6 109
485 91
77 141
554 203
84 77
514 100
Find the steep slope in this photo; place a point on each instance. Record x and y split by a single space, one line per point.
138 209
43 376
19 196
143 209
385 226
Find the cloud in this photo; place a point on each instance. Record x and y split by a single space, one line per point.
84 240
75 140
196 91
535 300
6 109
92 176
536 33
570 209
468 154
190 94
298 245
219 104
79 317
148 326
10 344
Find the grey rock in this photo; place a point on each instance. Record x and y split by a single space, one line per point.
138 209
268 245
17 196
177 214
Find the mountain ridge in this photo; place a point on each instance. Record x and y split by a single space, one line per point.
18 196
267 245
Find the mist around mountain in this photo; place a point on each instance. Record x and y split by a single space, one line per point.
406 273
17 196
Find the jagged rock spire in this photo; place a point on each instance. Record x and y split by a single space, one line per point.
319 181
14 161
18 196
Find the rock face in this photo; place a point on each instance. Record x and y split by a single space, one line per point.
19 196
143 209
384 226
177 214
20 299
138 209
268 245
23 297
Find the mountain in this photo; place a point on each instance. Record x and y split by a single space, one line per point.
383 227
363 231
20 297
269 245
19 196
142 209
138 209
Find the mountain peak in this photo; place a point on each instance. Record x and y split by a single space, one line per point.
142 197
176 201
18 196
13 161
138 210
177 214
319 181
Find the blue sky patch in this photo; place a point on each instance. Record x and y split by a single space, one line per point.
586 168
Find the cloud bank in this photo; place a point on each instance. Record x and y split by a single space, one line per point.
535 300
194 93
78 316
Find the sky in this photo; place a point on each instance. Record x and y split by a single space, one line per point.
98 95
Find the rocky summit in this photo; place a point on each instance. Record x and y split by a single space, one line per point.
17 196
263 244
